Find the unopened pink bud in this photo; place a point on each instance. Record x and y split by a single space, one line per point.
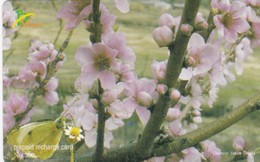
197 119
175 94
163 36
167 20
196 113
161 88
186 29
202 25
144 99
239 144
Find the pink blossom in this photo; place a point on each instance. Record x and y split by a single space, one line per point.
6 41
91 137
6 79
122 5
216 74
89 121
196 94
251 2
161 88
243 51
111 95
175 94
159 69
173 113
186 29
15 104
122 109
9 16
255 37
114 123
239 144
138 88
81 86
163 36
200 21
96 62
124 72
197 119
35 46
176 128
229 71
169 21
75 11
250 157
233 21
210 151
212 95
27 75
191 154
8 123
45 52
38 68
107 20
50 95
222 5
117 41
200 55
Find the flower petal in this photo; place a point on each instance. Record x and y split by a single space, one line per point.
107 79
143 114
122 5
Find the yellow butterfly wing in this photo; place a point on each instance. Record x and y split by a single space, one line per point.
37 139
16 136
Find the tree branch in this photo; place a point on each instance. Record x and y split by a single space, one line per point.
177 54
190 139
95 37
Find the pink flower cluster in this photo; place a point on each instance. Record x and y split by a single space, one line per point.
14 106
209 66
35 71
9 16
110 63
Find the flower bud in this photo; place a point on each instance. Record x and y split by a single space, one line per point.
161 88
144 99
239 144
202 25
163 36
175 94
186 29
197 119
196 113
173 114
167 20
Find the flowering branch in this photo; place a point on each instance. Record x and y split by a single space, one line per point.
190 139
177 53
51 70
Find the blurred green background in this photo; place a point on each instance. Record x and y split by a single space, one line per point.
137 25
